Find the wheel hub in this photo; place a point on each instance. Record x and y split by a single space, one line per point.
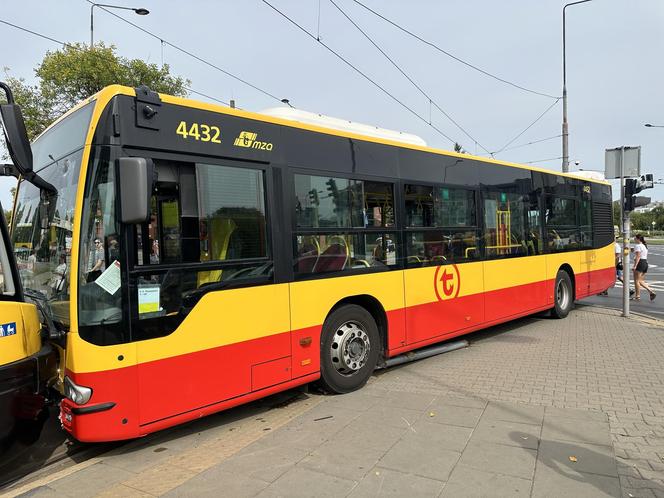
350 348
562 295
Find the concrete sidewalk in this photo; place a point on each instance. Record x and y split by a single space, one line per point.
536 407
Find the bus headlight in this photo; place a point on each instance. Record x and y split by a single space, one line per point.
78 394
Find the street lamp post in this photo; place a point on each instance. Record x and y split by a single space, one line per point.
140 11
648 125
565 126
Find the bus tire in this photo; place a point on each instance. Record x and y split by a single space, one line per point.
563 295
350 344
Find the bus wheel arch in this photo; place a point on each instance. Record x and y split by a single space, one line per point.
373 306
563 292
351 343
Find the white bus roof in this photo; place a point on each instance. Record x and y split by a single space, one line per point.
323 121
590 175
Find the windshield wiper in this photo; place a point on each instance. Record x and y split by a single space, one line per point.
41 301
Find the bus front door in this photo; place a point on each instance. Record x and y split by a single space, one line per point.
208 321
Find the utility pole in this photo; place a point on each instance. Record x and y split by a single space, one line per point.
565 124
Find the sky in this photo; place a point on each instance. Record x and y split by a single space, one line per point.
614 71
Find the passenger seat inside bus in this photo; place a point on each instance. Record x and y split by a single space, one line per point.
334 258
219 233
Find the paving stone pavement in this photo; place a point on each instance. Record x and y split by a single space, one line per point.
536 407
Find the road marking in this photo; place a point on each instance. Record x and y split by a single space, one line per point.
655 284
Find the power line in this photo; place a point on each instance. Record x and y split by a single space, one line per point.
458 59
530 143
409 109
525 145
190 54
526 129
208 96
431 101
543 160
74 47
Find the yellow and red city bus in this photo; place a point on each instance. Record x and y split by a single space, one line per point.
199 256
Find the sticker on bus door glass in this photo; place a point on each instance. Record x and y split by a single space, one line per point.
148 299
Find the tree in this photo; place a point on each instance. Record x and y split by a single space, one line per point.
8 212
458 148
616 213
67 76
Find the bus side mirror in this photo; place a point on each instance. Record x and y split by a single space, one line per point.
136 175
15 133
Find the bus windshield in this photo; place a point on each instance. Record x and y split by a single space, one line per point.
44 255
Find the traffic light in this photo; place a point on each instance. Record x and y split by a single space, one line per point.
634 186
313 197
333 190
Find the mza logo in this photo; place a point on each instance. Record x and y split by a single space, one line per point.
248 139
447 282
7 329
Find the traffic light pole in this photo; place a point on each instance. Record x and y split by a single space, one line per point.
626 266
625 228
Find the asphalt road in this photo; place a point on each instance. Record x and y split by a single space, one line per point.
654 277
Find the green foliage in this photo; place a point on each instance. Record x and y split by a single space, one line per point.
36 109
642 222
67 76
616 213
8 212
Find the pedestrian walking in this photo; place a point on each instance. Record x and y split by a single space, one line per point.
641 267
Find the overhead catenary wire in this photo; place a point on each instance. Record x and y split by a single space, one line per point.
523 145
365 76
504 147
530 143
418 87
449 54
74 47
162 40
543 160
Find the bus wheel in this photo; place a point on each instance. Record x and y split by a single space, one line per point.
563 295
350 344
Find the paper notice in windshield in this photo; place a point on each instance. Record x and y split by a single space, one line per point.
148 298
110 279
